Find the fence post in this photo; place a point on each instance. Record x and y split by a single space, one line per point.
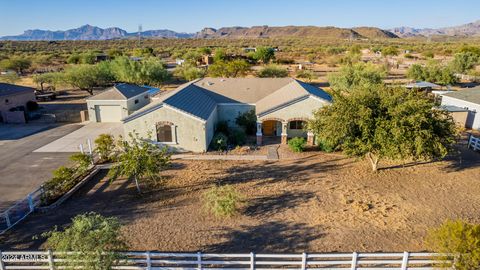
50 260
405 260
149 261
2 266
252 261
304 261
81 148
199 260
89 142
7 219
30 202
354 260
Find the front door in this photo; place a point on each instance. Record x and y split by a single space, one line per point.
269 128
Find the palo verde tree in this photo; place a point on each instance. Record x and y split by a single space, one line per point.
139 159
264 54
378 122
90 242
357 74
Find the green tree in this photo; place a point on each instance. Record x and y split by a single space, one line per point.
434 72
272 71
189 72
460 238
379 122
220 55
247 120
358 74
104 146
51 78
148 71
86 77
16 63
234 68
464 61
264 54
389 51
139 159
90 242
82 161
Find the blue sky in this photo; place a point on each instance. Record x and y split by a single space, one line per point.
191 16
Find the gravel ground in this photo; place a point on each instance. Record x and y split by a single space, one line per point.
319 203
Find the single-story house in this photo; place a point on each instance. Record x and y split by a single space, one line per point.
117 102
185 118
14 97
423 86
468 101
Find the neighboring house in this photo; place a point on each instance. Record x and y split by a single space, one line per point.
14 97
117 102
185 118
468 101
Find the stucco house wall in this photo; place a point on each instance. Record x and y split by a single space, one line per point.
15 100
189 132
473 117
143 99
229 112
302 109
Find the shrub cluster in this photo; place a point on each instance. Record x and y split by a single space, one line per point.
222 201
297 144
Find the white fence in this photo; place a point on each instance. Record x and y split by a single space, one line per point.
474 143
20 210
152 260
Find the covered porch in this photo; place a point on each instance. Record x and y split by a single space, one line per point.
270 128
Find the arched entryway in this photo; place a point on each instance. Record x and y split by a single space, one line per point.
272 128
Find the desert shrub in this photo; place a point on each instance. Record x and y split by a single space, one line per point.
247 120
219 142
272 71
326 146
104 146
94 238
82 161
238 137
297 144
460 238
62 181
222 201
222 127
308 75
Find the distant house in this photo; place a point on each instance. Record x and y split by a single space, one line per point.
422 86
185 119
117 102
13 102
466 101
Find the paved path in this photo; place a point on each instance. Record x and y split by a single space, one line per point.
272 152
21 171
218 157
70 142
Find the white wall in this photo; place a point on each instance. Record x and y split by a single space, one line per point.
473 118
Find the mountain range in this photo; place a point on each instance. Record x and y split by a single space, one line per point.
89 32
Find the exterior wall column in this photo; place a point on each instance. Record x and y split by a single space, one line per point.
259 133
284 132
310 138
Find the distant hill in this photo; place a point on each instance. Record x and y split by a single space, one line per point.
89 32
293 31
464 30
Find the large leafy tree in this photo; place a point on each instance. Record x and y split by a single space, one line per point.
90 242
357 74
379 122
16 63
229 69
264 54
139 159
148 71
86 77
432 72
464 61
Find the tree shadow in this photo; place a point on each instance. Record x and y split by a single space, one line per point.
271 205
271 237
462 159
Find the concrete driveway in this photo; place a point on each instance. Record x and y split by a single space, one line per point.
70 142
21 170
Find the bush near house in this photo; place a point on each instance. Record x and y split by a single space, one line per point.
105 145
219 142
297 144
222 201
247 120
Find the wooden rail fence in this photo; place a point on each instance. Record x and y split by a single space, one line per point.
12 260
474 143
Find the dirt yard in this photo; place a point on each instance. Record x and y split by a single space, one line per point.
320 203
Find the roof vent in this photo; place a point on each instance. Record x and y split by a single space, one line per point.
210 83
222 80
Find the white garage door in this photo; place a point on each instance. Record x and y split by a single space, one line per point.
108 113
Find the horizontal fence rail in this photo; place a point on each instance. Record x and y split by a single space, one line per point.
20 210
191 261
474 143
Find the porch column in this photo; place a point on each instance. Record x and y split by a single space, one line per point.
284 132
259 133
310 138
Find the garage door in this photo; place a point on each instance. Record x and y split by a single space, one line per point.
108 113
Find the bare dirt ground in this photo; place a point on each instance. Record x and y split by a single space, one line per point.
319 203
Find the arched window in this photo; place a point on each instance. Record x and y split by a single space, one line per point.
164 132
296 124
